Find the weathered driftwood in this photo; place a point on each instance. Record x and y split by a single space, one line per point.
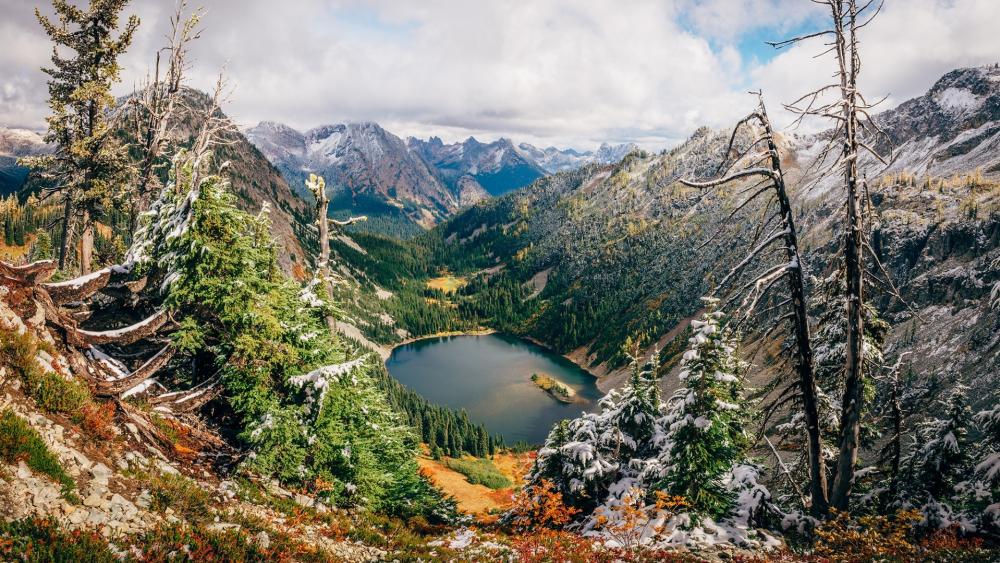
189 400
126 335
115 387
79 288
36 272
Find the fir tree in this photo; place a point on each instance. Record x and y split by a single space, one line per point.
90 165
586 456
938 462
703 435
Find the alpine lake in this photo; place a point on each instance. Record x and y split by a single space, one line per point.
490 377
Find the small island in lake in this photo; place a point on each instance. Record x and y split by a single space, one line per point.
557 389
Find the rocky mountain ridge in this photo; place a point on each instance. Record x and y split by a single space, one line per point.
412 184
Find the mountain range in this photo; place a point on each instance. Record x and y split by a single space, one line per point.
584 260
406 186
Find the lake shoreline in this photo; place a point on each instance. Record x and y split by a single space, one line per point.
489 376
478 332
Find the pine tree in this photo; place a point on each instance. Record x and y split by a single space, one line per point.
938 462
42 247
586 456
90 165
703 435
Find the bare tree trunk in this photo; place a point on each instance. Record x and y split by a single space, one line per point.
67 232
86 243
803 343
323 265
850 421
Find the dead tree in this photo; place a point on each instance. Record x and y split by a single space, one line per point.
317 187
154 107
759 165
852 135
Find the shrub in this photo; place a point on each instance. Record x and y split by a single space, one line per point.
868 537
50 391
53 393
38 540
539 506
182 495
21 442
96 420
480 472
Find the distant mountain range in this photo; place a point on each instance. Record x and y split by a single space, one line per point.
407 186
14 144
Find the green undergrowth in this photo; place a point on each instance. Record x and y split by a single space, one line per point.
51 392
182 495
20 442
480 472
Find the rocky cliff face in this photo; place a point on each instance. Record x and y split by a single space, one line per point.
367 169
554 160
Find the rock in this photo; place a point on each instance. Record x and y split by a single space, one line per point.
143 500
81 460
79 517
96 518
22 471
305 501
262 539
101 473
93 501
223 526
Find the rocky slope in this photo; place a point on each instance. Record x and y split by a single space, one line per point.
368 171
496 168
407 186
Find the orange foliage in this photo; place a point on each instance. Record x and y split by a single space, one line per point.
626 522
868 537
97 419
540 506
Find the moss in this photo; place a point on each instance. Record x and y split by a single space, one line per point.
20 442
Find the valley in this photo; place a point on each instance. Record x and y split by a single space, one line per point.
413 314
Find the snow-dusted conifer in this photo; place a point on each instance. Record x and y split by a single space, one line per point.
586 455
936 468
703 435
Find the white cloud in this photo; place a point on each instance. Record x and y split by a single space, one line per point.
564 72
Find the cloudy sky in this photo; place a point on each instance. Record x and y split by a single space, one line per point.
552 72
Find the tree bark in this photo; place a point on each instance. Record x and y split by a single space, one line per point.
67 232
819 503
86 243
850 420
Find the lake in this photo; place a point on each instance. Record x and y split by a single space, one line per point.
490 377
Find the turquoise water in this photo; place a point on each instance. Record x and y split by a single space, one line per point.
490 377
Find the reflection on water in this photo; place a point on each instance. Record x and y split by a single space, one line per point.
490 377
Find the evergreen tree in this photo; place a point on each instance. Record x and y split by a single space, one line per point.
42 247
90 165
938 462
703 435
983 490
309 409
586 456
